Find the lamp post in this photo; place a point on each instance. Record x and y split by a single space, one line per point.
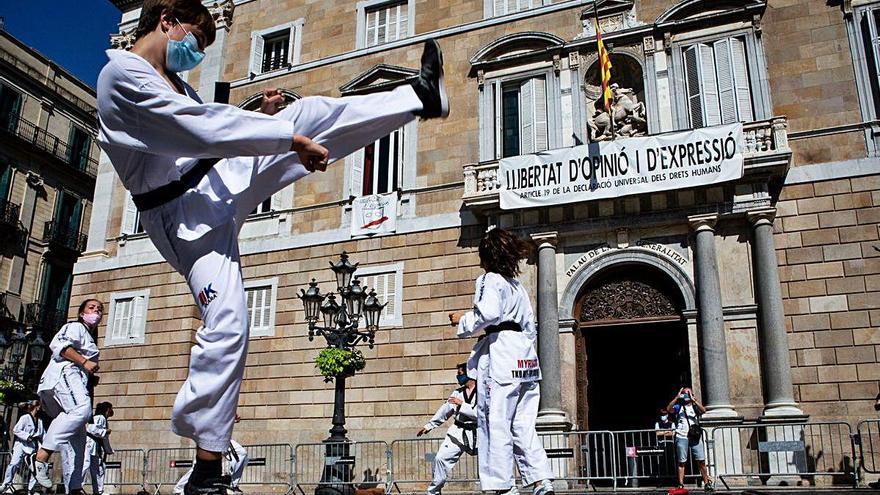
20 344
344 326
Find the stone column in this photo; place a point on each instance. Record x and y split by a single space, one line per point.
772 339
550 413
712 342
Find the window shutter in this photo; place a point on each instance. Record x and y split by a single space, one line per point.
391 294
540 114
709 83
499 119
741 80
5 181
371 28
499 7
276 202
138 320
694 91
257 42
726 93
291 40
527 116
356 186
129 215
403 21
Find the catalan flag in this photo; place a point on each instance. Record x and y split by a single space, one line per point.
604 67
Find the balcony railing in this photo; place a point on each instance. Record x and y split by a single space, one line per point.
50 143
44 315
9 214
765 149
13 235
60 235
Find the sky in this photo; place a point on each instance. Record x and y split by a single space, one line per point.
72 33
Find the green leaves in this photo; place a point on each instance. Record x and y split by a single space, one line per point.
333 362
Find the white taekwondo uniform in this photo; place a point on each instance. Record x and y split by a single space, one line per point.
153 134
97 449
237 457
460 437
505 365
64 395
28 431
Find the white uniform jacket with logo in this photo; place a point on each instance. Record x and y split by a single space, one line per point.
464 413
73 334
28 431
153 134
97 431
512 355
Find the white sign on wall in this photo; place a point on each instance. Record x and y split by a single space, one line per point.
622 167
374 214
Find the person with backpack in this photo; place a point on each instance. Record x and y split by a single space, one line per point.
28 431
686 410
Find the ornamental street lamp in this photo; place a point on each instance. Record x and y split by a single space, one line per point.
341 330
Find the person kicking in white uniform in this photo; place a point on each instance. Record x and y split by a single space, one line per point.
27 432
461 436
237 457
505 364
196 170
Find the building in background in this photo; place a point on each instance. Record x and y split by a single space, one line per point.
48 166
757 285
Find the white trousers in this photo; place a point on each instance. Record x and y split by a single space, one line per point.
18 456
448 454
205 406
95 468
506 416
71 407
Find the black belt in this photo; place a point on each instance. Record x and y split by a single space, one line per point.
175 189
469 426
504 325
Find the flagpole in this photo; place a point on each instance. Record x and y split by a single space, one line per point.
606 103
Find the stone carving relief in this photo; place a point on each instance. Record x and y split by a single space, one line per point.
625 300
220 11
123 40
628 115
614 15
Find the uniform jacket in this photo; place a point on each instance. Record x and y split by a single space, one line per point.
512 355
464 413
98 441
28 431
153 134
73 334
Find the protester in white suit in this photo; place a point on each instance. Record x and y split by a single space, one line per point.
505 364
65 392
461 435
196 170
28 431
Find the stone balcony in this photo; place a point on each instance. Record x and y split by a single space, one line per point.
766 152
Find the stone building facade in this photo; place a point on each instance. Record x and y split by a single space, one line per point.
48 166
760 291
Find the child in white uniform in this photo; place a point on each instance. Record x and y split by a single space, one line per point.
98 446
461 436
505 364
197 170
65 391
28 431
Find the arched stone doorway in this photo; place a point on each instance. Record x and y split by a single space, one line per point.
632 343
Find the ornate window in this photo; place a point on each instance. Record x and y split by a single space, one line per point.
127 320
384 21
717 81
276 48
864 39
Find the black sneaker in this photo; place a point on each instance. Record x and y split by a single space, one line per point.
214 486
429 85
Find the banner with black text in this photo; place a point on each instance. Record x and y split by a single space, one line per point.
622 167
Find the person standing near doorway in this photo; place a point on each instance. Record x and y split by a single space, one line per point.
461 436
686 410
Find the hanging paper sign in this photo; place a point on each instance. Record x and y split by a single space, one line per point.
375 214
622 167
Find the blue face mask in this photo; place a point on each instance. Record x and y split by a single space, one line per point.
183 55
462 379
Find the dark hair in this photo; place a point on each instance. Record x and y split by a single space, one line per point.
501 252
82 307
102 408
188 11
461 366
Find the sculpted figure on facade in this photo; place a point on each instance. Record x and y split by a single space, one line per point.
627 116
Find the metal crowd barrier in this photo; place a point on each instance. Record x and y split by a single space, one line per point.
165 466
413 461
649 455
803 454
363 465
269 466
125 467
868 436
582 458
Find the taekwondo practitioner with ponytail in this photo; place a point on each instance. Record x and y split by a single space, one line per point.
505 364
196 170
28 431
